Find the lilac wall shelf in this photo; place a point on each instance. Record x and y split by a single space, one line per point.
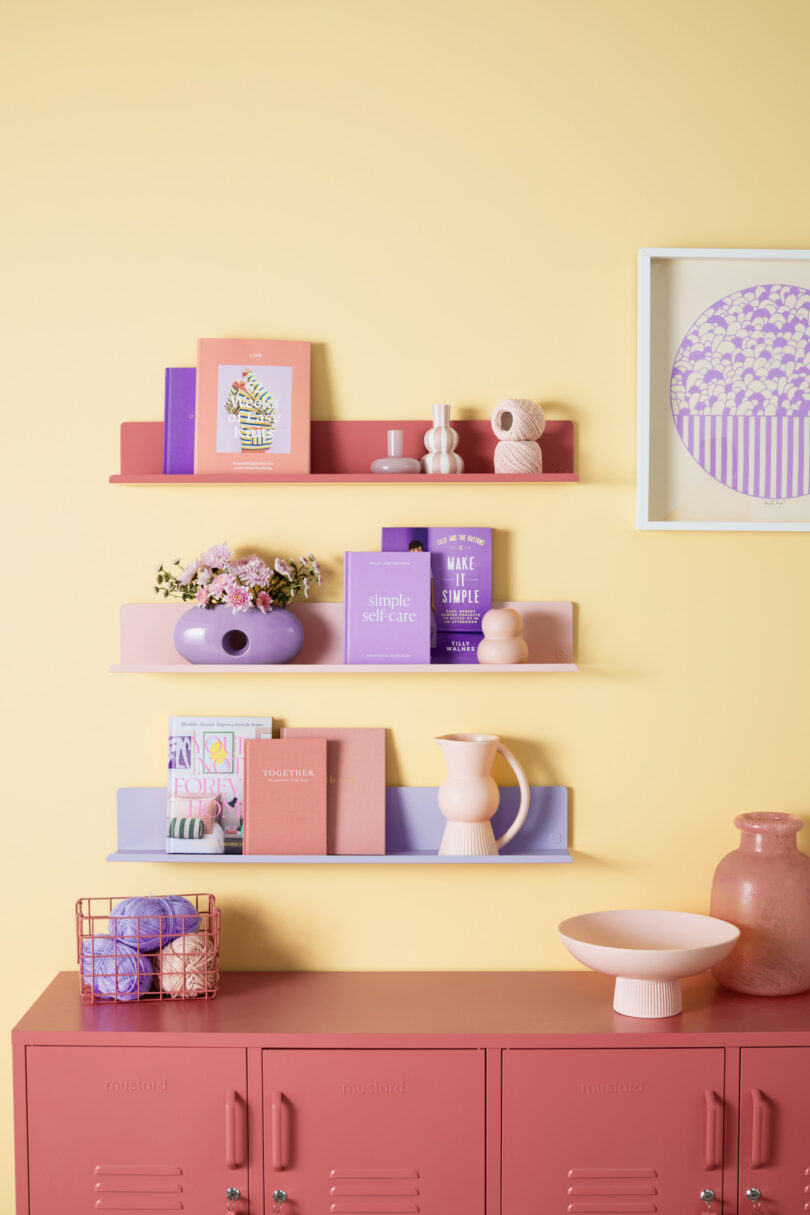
146 644
342 452
413 824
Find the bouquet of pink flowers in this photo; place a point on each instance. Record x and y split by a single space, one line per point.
219 576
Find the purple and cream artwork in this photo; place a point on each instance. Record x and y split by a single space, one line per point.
740 391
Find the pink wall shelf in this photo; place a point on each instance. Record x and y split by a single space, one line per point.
413 831
146 643
343 451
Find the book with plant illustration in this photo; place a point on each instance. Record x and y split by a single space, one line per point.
252 409
207 760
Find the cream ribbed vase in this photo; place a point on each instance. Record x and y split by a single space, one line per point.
441 442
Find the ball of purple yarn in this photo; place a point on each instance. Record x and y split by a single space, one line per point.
186 918
114 970
147 924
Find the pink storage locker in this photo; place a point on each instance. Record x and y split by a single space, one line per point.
775 1129
375 1132
133 1129
624 1131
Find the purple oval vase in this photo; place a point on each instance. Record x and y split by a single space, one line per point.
764 888
220 635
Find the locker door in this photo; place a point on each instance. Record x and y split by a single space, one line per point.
136 1129
375 1132
775 1129
588 1131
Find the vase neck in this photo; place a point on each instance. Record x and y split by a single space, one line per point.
772 834
441 416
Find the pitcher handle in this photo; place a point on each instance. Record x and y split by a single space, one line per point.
525 794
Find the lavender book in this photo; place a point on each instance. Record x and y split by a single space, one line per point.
387 608
461 568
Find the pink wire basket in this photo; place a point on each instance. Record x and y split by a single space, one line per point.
125 956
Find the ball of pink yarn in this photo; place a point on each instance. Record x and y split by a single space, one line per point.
518 420
188 966
523 457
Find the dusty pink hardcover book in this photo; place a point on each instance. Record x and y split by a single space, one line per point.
285 797
355 787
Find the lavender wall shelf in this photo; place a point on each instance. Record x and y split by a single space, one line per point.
146 644
342 452
413 824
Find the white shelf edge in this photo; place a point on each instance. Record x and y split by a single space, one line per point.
340 668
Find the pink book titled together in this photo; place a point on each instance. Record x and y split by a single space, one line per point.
285 797
355 787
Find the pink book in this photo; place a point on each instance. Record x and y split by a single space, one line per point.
285 797
252 412
355 787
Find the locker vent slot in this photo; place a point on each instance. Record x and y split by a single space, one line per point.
612 1192
137 1187
374 1192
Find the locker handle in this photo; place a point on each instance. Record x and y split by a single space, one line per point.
277 1131
714 1130
759 1131
234 1130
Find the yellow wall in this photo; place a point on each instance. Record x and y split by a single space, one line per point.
446 198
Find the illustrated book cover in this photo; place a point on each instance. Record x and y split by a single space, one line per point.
178 419
461 571
285 797
355 787
252 409
387 608
207 760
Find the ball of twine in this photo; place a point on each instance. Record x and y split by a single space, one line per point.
148 924
115 971
518 420
188 966
524 457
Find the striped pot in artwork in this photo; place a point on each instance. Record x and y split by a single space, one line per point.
441 442
762 456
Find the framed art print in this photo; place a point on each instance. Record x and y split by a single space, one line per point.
252 413
724 390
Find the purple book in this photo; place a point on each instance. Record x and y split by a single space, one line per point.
461 566
178 420
387 608
456 647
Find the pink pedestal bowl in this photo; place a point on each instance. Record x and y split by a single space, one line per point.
649 952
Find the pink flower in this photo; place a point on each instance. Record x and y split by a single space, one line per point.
239 598
221 585
202 595
204 575
217 556
285 568
256 572
188 573
237 567
263 601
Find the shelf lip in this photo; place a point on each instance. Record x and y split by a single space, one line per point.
551 857
327 668
337 478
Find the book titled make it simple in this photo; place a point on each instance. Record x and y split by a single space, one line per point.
355 787
387 608
207 760
285 797
461 565
252 411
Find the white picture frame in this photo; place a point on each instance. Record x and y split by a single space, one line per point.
723 432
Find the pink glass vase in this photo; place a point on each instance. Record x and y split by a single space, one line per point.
764 888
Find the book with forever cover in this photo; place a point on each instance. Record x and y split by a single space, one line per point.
207 760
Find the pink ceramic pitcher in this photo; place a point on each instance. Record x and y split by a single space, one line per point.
468 797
